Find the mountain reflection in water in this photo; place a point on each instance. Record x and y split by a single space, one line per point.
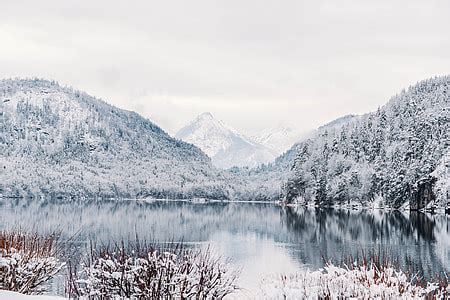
259 238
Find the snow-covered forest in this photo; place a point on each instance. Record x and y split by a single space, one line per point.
56 141
379 157
59 142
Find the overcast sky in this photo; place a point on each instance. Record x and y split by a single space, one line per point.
254 64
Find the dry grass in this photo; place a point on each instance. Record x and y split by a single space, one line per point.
360 279
30 244
382 264
147 271
27 261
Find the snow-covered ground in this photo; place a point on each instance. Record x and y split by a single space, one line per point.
7 295
332 282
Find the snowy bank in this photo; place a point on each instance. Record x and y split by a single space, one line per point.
27 261
361 282
17 296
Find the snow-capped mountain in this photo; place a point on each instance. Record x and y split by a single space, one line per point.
281 138
225 145
278 139
61 142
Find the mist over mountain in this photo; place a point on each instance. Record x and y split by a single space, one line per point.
270 179
338 122
226 146
279 139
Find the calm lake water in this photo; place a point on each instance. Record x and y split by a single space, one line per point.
261 239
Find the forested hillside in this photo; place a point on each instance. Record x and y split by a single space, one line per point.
381 156
56 141
59 142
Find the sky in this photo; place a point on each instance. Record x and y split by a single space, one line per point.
253 64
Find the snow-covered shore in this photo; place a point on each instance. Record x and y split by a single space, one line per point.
8 295
361 282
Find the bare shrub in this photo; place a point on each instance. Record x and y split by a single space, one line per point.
385 267
373 277
27 261
137 271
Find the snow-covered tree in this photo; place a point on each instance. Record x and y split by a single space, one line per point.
385 153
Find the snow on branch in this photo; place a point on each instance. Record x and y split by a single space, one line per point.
27 261
359 281
148 272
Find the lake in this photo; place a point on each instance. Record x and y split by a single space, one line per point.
259 238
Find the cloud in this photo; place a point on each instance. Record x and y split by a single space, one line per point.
252 63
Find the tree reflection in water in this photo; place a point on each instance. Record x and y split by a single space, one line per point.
306 235
334 234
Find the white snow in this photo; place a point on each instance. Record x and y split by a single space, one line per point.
8 295
336 282
226 146
63 142
185 274
278 139
386 152
23 271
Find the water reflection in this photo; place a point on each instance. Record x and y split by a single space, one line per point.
261 238
418 241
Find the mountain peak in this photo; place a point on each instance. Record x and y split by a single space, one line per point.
85 135
225 145
279 138
205 116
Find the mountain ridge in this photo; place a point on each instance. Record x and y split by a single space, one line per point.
381 156
278 139
226 146
60 141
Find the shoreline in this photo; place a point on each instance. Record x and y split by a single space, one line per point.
350 207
